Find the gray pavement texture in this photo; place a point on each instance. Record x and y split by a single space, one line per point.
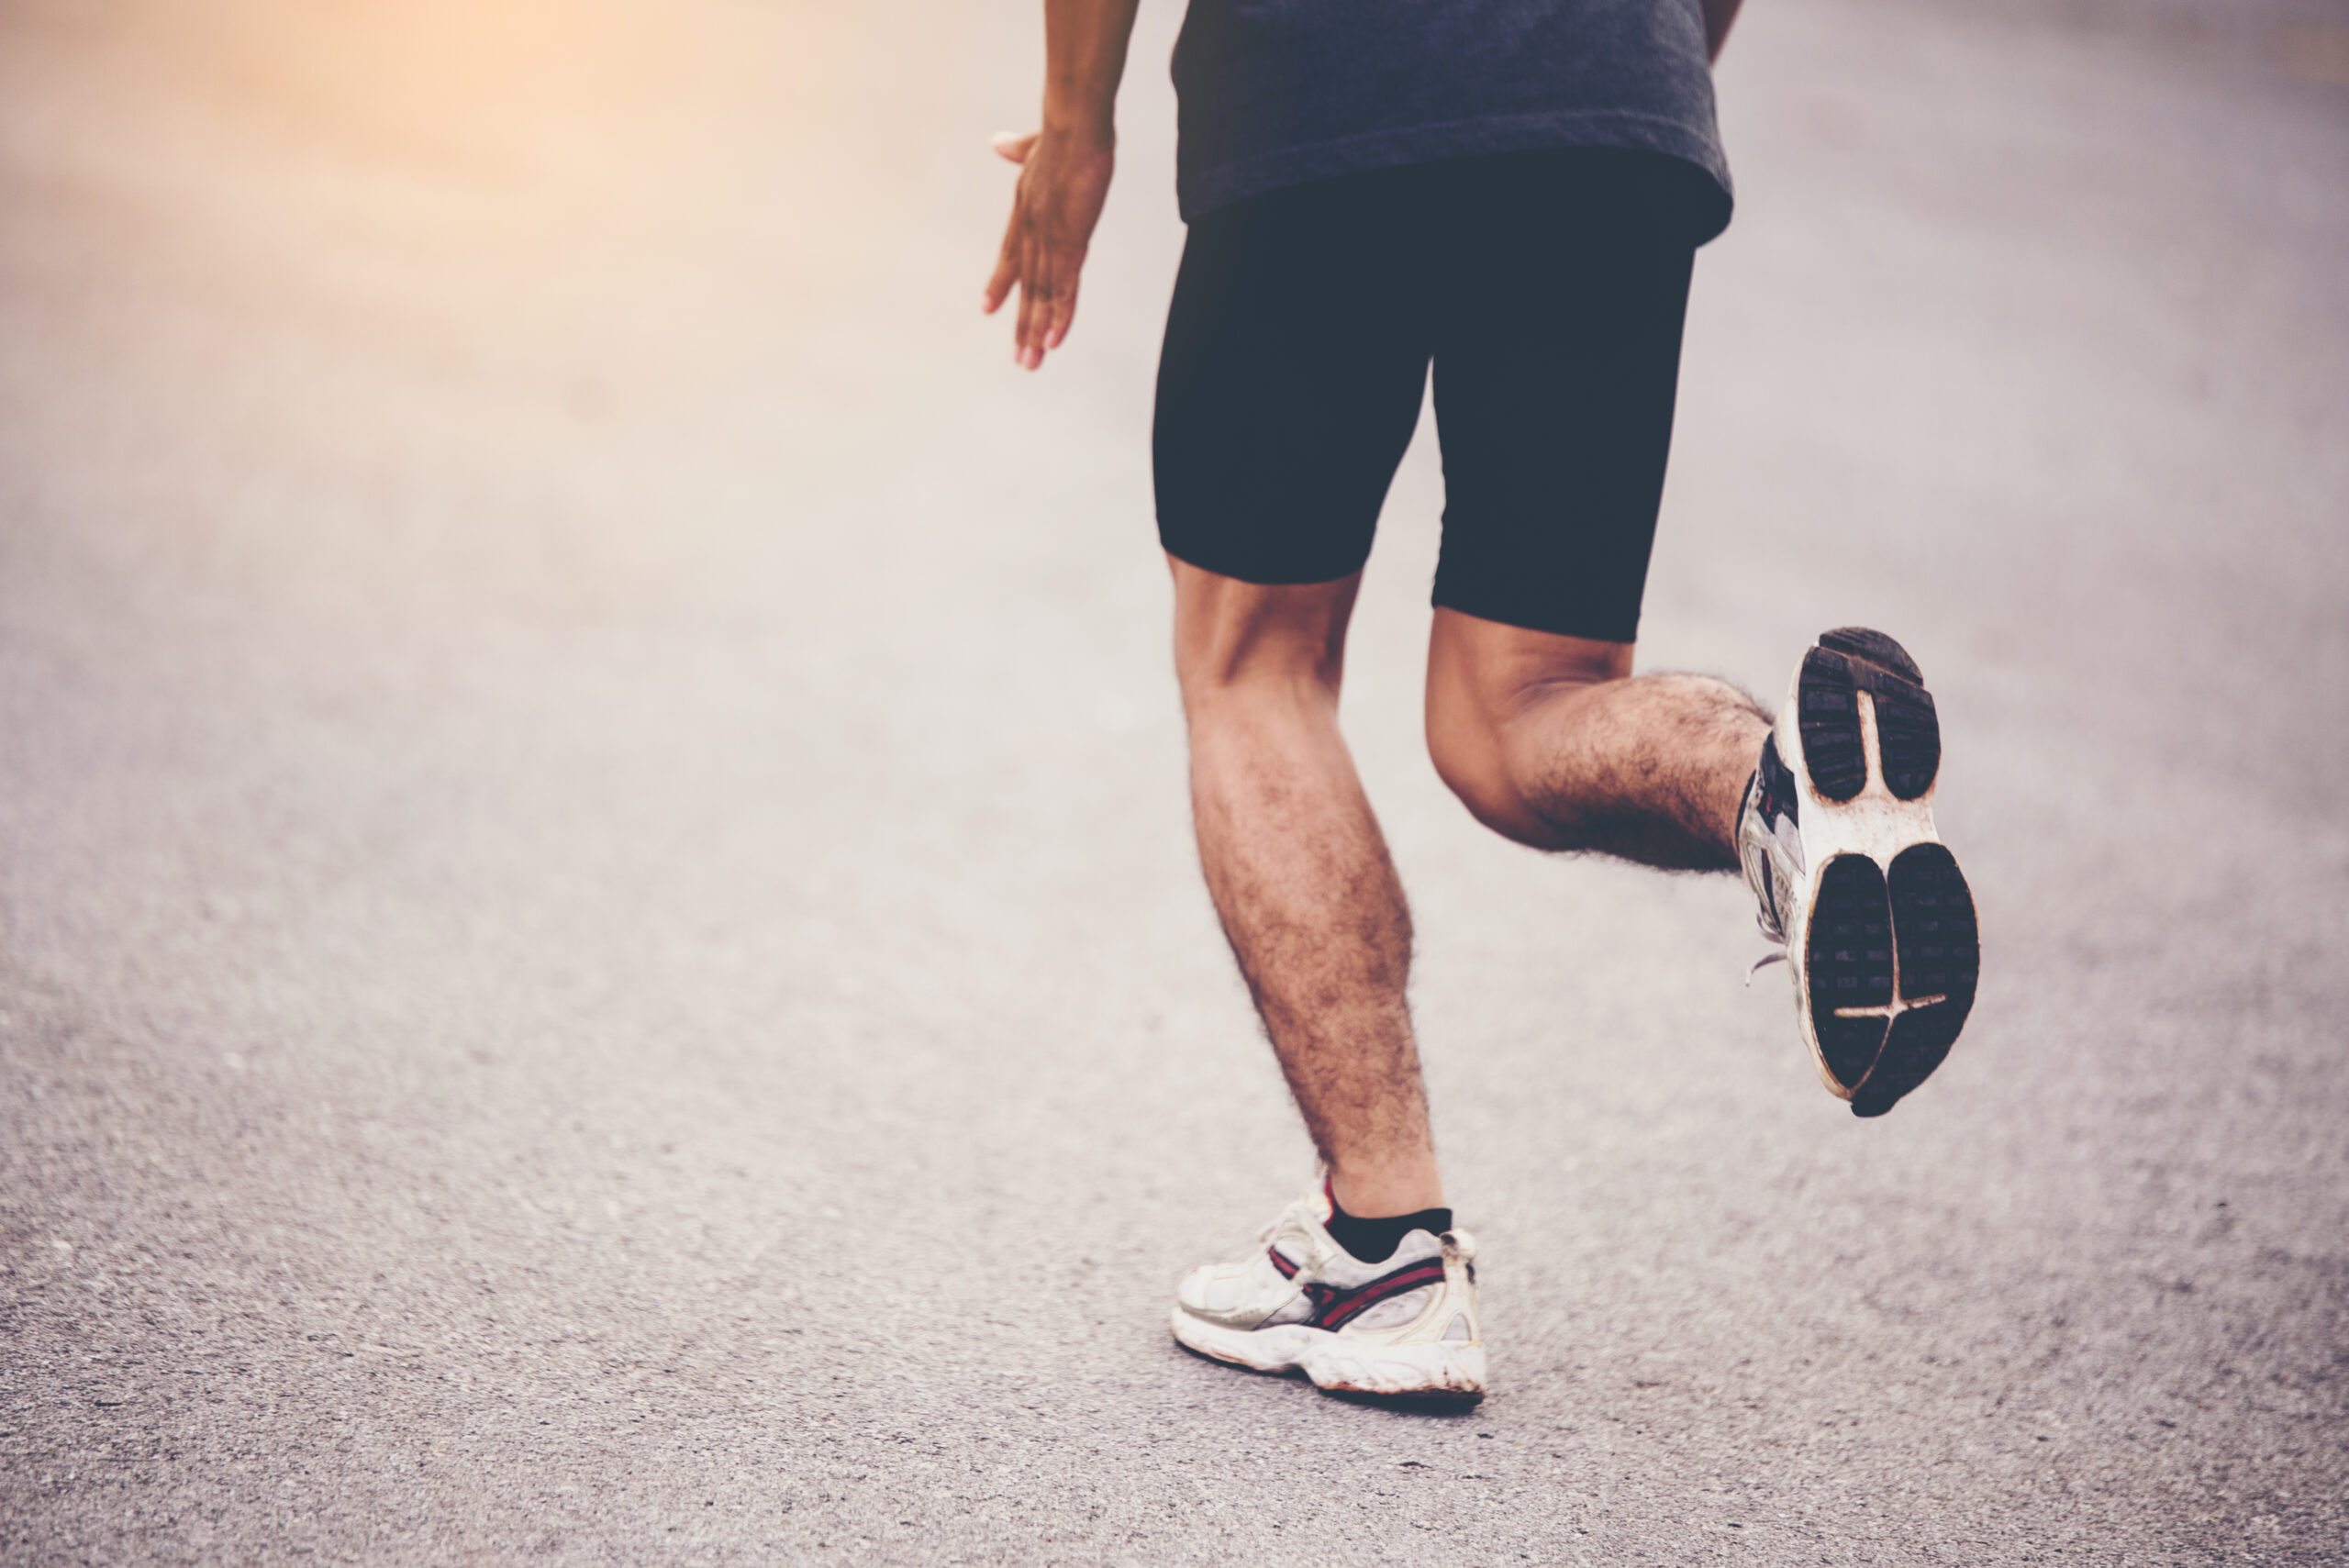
599 953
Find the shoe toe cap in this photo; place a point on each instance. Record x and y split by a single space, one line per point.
1213 1287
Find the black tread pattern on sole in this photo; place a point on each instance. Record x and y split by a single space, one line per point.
1419 1403
1847 963
1921 1039
1847 661
1941 955
1932 915
1827 715
1907 736
1863 642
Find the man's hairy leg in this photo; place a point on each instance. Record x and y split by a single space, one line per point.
1300 874
1551 741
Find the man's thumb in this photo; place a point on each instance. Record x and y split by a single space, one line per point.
1012 147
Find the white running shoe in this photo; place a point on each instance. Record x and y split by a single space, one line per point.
1837 838
1298 1302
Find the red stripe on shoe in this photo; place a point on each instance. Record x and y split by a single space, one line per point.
1334 1307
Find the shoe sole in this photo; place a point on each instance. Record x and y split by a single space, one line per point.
1891 948
1444 1373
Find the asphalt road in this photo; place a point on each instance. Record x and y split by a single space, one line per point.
599 953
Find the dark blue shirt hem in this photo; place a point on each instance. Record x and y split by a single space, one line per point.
1201 192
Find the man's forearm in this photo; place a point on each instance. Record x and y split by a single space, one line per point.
1085 56
1719 15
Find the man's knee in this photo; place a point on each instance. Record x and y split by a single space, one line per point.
1497 693
1233 639
1486 755
1472 756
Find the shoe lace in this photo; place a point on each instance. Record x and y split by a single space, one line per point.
1764 962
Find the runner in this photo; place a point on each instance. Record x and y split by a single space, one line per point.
1511 191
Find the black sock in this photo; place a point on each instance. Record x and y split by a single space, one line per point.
1375 1240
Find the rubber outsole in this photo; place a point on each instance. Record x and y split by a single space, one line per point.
1941 963
1432 1402
1892 953
1870 935
1933 913
1827 712
1848 963
1865 642
1908 737
1431 1376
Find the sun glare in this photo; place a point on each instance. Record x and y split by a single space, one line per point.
478 88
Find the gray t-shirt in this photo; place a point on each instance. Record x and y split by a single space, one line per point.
1275 93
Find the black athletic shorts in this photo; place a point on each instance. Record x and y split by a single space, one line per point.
1548 289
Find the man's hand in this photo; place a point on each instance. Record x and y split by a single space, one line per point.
1064 180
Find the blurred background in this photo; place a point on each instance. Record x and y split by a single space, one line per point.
599 948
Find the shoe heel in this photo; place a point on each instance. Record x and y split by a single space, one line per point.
1908 730
1861 642
1434 1373
1907 736
1827 716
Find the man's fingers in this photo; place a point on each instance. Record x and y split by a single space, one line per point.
1048 285
1027 301
1062 309
1012 147
1047 300
1006 272
1035 304
1038 258
1007 263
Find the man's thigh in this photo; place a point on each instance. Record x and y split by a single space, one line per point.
1557 356
1295 363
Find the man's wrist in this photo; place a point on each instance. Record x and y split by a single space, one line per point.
1083 130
